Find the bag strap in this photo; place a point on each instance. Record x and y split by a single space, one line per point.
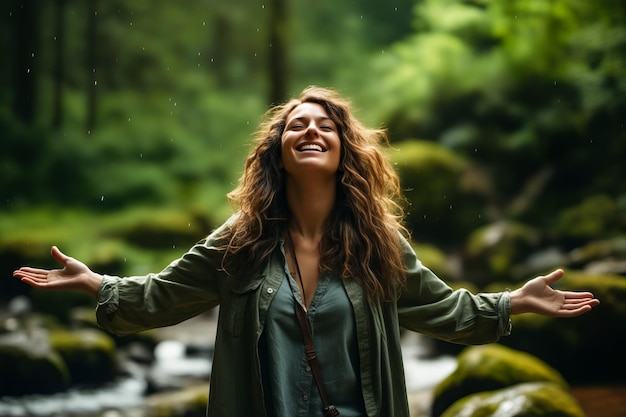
311 356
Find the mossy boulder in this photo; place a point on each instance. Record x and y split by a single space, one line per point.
445 192
595 216
488 368
90 354
596 337
433 258
188 402
29 366
532 399
494 249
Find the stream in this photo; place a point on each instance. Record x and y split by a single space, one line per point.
184 357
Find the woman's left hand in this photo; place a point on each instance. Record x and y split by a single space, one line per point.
537 296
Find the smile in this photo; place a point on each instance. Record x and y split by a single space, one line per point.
310 147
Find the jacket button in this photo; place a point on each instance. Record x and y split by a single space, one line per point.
270 290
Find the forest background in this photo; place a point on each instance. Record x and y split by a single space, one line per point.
124 124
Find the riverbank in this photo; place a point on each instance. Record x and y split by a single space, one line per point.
602 401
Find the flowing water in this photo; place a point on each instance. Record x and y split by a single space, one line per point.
173 366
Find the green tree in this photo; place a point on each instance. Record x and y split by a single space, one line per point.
531 89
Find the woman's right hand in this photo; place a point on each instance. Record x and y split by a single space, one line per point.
75 275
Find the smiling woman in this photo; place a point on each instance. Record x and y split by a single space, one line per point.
310 140
314 276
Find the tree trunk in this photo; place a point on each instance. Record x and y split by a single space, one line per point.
91 65
277 57
59 73
24 85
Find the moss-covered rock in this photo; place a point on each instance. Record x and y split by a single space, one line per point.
189 402
445 192
90 354
596 216
29 366
597 337
433 258
491 367
534 399
493 250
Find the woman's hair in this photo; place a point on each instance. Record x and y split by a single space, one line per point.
362 239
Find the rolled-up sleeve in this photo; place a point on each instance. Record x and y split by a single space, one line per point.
429 306
185 288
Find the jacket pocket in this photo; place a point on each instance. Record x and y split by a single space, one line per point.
233 308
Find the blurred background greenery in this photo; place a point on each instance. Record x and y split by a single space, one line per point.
124 124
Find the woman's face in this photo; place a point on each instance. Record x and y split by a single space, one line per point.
310 143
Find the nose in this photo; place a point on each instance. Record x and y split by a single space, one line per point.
312 129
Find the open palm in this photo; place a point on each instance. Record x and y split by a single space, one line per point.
74 275
537 296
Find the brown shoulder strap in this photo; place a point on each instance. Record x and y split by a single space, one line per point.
311 356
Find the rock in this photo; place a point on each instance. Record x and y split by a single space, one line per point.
491 367
493 250
597 337
533 399
90 354
444 190
29 366
189 402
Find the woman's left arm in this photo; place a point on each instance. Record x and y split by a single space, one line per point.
537 296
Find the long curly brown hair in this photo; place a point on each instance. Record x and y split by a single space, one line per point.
362 239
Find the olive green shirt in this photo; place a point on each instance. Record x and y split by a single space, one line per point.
195 283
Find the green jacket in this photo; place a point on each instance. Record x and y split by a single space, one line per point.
195 283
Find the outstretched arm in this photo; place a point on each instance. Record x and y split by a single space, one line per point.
537 296
75 275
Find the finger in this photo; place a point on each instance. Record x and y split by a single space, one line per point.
59 256
577 295
35 282
576 312
572 305
29 270
30 273
553 276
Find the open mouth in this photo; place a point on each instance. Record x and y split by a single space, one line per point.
305 147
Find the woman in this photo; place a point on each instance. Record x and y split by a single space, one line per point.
317 232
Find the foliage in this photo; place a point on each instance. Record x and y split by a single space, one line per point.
520 87
112 108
